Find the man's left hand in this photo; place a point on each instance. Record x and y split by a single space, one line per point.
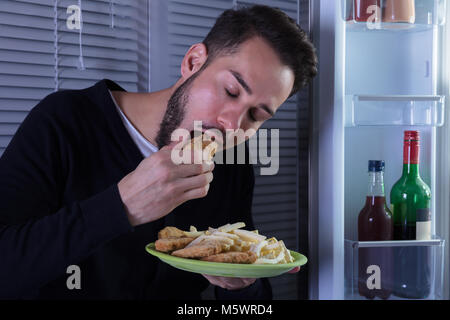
294 270
236 283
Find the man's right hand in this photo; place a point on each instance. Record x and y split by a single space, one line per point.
157 186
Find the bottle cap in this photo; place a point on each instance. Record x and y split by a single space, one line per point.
412 135
376 165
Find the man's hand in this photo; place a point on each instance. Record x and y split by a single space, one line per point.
158 186
229 283
294 270
236 283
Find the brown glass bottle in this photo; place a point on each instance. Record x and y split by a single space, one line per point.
375 224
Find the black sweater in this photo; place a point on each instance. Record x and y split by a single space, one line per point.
60 206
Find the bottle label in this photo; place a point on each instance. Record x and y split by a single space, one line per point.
423 224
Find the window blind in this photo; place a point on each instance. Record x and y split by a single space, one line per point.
39 53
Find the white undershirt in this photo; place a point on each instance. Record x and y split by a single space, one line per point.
146 148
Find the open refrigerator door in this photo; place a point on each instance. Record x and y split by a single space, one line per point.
383 72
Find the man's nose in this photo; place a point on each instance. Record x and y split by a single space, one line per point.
230 119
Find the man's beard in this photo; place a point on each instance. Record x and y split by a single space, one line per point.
175 112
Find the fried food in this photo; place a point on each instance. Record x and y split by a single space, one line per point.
205 144
203 249
171 232
227 244
232 257
221 239
172 244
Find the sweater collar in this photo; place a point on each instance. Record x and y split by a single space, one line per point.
102 97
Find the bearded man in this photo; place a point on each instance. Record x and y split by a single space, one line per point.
88 178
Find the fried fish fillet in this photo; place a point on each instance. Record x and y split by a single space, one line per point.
203 249
171 232
232 257
171 244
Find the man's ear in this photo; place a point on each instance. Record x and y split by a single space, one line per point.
193 60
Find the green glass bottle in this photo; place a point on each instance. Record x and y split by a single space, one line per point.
410 205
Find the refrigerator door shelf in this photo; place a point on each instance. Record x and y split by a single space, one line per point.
354 26
394 110
390 266
397 243
426 13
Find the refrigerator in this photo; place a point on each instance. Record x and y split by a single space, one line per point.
376 79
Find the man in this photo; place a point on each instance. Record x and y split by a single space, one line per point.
88 178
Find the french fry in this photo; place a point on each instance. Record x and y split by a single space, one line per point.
224 234
249 236
221 239
273 246
193 234
278 259
231 227
201 238
196 241
288 255
222 227
256 248
211 231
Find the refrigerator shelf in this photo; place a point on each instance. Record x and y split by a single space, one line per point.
423 260
394 110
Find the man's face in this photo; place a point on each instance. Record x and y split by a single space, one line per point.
238 91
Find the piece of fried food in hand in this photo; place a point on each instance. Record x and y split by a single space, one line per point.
171 232
232 257
172 244
203 143
203 249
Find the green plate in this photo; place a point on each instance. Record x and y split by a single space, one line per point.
228 269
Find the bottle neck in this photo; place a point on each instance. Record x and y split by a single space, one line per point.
376 184
410 170
411 150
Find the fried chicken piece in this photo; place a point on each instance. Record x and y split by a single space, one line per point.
171 232
171 244
203 249
203 143
232 257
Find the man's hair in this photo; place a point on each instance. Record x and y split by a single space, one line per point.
282 33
